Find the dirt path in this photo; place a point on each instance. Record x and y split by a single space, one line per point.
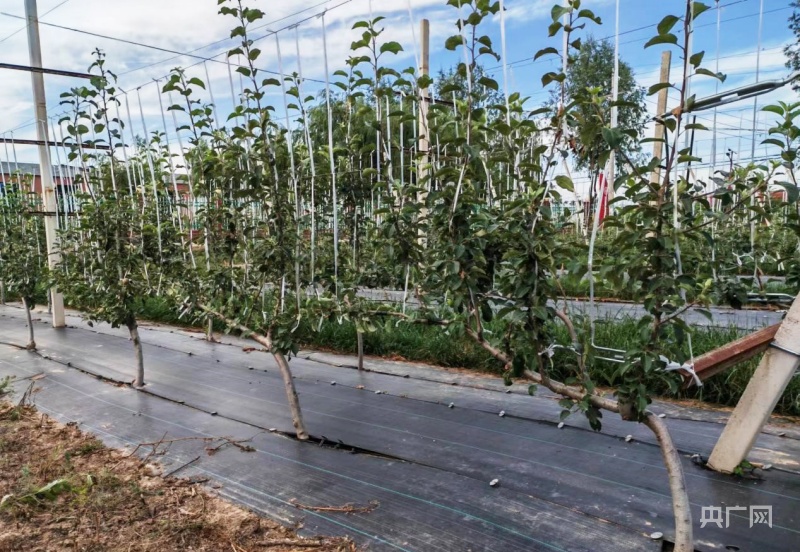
62 489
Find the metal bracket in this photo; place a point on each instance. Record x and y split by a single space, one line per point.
785 350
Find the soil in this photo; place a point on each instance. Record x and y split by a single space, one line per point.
62 489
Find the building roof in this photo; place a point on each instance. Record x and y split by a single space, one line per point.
10 167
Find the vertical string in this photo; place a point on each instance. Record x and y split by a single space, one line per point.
153 176
176 213
310 146
211 95
330 154
292 172
133 145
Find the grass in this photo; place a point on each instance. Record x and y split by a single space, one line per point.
432 345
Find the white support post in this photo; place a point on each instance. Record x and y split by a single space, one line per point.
775 371
48 189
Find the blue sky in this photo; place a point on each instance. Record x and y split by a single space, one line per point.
185 25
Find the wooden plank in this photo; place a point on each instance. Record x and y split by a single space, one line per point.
735 352
776 369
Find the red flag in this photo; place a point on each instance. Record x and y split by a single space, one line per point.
602 187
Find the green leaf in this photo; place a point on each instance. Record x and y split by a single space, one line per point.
554 28
393 47
453 42
558 12
197 82
697 59
488 83
666 24
544 52
704 71
613 137
565 183
667 38
698 8
589 14
547 78
656 88
776 109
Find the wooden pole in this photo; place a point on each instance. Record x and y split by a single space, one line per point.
45 170
774 372
423 147
424 97
663 96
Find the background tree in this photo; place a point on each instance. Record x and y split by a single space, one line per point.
22 266
104 263
592 74
792 51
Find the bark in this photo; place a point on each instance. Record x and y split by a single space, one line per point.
286 373
291 395
210 330
360 339
31 346
2 293
133 328
677 483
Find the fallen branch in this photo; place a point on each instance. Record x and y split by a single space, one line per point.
347 508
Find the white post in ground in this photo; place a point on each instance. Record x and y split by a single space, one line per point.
768 383
45 170
424 95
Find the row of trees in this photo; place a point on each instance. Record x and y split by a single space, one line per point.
467 223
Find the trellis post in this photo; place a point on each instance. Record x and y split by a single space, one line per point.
774 372
45 170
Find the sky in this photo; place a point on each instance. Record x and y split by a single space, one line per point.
194 26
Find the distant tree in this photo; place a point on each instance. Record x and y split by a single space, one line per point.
792 50
592 74
453 82
22 269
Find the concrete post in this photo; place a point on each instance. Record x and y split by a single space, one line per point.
48 189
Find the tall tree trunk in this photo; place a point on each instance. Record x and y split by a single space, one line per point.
360 340
672 460
291 395
133 328
677 484
286 372
31 343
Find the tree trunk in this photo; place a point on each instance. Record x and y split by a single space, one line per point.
31 343
360 339
210 330
291 395
677 484
2 293
133 328
286 373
